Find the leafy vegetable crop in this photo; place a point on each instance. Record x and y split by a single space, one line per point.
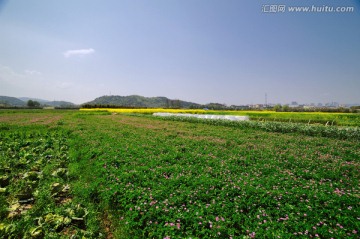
36 199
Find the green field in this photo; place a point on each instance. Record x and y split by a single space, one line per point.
70 174
319 118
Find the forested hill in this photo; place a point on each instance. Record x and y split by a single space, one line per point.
11 101
141 101
8 101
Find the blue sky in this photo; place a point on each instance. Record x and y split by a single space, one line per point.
225 51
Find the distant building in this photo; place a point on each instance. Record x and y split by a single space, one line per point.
294 104
332 105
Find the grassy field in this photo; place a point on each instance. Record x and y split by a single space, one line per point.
128 176
340 119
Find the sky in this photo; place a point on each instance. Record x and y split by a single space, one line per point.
224 51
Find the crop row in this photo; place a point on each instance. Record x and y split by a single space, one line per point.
281 127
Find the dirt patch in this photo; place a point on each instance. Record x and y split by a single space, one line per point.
30 118
165 126
52 120
11 119
45 120
107 225
142 123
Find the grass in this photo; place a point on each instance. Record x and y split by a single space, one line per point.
144 177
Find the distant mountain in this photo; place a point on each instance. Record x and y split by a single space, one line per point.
26 99
7 101
11 101
49 103
141 101
59 104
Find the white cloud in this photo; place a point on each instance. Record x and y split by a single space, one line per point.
64 85
33 72
79 52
